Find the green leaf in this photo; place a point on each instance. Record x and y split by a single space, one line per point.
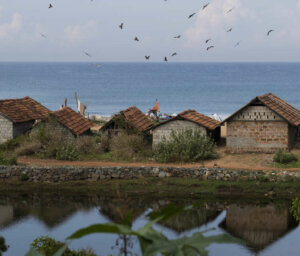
167 212
192 246
103 228
33 252
61 250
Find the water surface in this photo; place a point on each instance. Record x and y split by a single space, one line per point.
207 87
266 228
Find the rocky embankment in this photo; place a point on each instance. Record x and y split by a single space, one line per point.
68 173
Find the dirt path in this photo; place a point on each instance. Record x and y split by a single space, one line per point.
242 161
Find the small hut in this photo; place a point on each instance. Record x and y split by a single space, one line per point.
259 227
131 120
17 116
265 124
69 123
189 119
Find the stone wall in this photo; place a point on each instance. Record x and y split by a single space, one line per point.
176 125
54 125
257 136
63 174
6 129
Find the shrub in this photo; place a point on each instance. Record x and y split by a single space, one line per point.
28 148
7 160
3 246
87 145
284 157
12 143
105 143
69 153
130 146
186 145
48 246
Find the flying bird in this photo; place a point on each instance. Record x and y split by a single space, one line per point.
230 10
87 54
136 39
237 44
177 36
50 6
206 41
191 15
174 54
147 57
204 6
43 35
229 30
121 25
165 59
210 47
269 32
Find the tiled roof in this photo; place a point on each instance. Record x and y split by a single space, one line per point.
203 120
282 108
72 120
279 106
23 110
137 119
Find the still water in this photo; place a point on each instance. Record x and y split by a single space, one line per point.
266 227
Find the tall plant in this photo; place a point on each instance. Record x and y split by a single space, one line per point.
151 241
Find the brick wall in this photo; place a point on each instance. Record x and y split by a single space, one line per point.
6 129
257 136
176 125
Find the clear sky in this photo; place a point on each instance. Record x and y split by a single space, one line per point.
74 26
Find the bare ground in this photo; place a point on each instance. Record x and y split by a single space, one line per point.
254 161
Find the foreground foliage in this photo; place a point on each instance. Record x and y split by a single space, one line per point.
48 246
295 209
3 246
151 241
186 145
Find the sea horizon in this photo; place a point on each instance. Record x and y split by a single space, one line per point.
207 87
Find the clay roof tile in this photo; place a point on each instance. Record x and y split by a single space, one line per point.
72 120
23 110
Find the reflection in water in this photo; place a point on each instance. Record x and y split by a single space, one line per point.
258 226
191 219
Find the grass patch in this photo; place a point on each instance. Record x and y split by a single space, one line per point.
160 188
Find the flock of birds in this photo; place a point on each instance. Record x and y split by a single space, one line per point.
147 57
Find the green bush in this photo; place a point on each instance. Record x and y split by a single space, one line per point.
69 153
186 145
284 157
4 160
48 246
3 246
12 143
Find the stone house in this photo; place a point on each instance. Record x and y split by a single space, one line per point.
17 116
265 124
69 123
131 120
189 119
259 227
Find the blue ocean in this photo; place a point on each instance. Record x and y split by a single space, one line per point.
209 88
